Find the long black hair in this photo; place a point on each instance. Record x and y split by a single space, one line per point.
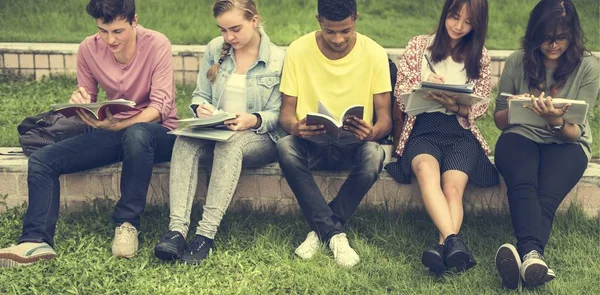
469 50
547 18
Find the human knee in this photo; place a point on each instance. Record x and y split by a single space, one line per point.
287 148
137 137
453 191
372 159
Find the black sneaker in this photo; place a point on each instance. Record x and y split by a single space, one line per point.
508 264
170 247
198 249
434 259
457 254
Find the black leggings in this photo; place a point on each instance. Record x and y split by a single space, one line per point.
538 177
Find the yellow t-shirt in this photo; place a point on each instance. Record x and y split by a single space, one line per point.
338 84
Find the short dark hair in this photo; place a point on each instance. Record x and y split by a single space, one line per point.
109 10
547 17
336 10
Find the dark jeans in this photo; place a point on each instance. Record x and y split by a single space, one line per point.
297 157
138 146
538 177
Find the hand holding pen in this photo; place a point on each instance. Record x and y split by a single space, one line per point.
433 77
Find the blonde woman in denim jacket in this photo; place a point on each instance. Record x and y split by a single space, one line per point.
240 73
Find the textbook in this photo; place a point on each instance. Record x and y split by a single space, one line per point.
332 126
216 119
519 114
416 104
95 109
216 134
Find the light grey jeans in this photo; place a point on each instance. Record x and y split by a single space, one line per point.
245 149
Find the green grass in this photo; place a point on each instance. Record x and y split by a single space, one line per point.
255 256
21 98
389 22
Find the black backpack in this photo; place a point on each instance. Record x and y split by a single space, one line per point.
41 130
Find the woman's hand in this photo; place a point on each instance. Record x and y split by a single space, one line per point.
544 108
445 99
435 78
205 110
243 121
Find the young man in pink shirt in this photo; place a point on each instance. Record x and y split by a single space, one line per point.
129 62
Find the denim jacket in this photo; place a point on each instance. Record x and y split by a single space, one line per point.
262 82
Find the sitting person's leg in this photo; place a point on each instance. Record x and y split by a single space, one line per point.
188 153
245 149
143 145
89 150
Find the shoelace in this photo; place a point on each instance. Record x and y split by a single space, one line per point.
125 233
533 254
196 246
338 248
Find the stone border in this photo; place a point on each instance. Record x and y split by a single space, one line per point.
42 59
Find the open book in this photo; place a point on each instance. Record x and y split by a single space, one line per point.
95 109
416 104
216 119
332 126
216 134
519 114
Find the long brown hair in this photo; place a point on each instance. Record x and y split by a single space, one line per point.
221 6
548 17
470 46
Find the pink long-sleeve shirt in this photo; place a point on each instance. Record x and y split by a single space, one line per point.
147 79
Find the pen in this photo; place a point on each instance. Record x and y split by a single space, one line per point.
430 64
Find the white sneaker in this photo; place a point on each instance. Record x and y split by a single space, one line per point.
309 247
25 254
342 252
125 243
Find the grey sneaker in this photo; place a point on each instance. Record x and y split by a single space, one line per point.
508 264
342 252
125 244
534 269
309 247
25 254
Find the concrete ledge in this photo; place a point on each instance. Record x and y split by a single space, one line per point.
266 188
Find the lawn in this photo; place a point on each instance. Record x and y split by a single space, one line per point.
255 256
21 98
389 22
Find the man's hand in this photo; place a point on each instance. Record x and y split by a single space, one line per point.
80 96
361 128
300 129
205 110
110 123
243 121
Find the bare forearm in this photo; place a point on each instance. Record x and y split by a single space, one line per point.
147 115
501 119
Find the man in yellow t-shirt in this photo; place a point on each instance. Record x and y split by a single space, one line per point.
337 68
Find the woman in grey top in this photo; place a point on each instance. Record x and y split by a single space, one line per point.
540 165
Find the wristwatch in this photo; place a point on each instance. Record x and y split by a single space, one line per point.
558 128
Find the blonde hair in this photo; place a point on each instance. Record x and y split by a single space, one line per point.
221 6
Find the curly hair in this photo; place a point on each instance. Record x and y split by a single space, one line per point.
547 18
336 10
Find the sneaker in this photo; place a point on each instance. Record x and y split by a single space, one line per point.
457 255
550 275
309 247
170 247
342 252
534 269
198 249
125 244
434 259
508 264
25 254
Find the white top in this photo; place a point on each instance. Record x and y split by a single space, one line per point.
234 97
453 72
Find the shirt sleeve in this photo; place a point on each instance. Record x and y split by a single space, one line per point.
162 94
507 83
289 81
85 78
203 92
381 82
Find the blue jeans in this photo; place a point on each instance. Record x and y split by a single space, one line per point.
138 146
298 156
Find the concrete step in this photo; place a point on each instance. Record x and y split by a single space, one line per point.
265 188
